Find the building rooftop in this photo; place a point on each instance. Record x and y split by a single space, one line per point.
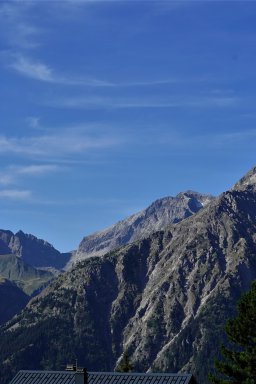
80 377
138 378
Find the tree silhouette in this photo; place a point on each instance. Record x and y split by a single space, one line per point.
238 365
125 365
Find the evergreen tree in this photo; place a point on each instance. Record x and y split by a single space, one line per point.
238 365
125 365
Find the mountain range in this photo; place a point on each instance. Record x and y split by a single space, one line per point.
156 217
27 265
31 263
163 299
35 252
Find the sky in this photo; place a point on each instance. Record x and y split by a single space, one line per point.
107 106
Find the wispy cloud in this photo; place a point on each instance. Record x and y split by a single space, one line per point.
38 70
12 174
18 32
35 70
15 194
207 141
37 169
125 103
62 144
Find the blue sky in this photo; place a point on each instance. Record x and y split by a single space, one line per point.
109 105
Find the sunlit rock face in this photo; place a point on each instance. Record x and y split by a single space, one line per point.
140 225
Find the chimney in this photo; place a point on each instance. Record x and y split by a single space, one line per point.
71 367
81 375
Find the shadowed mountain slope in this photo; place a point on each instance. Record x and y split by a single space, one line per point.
12 299
163 299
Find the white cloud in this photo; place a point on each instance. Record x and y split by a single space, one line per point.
37 169
119 103
35 70
15 194
40 71
12 174
17 31
207 141
65 143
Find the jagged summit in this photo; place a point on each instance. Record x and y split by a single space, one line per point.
247 182
157 216
36 252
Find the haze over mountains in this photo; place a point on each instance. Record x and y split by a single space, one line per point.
164 298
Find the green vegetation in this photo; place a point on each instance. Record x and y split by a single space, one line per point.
26 277
125 364
239 356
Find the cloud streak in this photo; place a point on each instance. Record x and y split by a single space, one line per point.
15 194
58 145
40 71
207 141
17 31
34 70
132 103
37 169
12 174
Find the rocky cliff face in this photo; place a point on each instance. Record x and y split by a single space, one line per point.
164 299
140 225
34 251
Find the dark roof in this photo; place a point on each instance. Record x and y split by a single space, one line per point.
72 377
138 378
44 377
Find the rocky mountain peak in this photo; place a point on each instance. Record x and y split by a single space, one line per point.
157 216
247 182
36 252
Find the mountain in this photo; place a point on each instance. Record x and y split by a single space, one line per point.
12 299
140 225
34 251
21 256
29 279
163 299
